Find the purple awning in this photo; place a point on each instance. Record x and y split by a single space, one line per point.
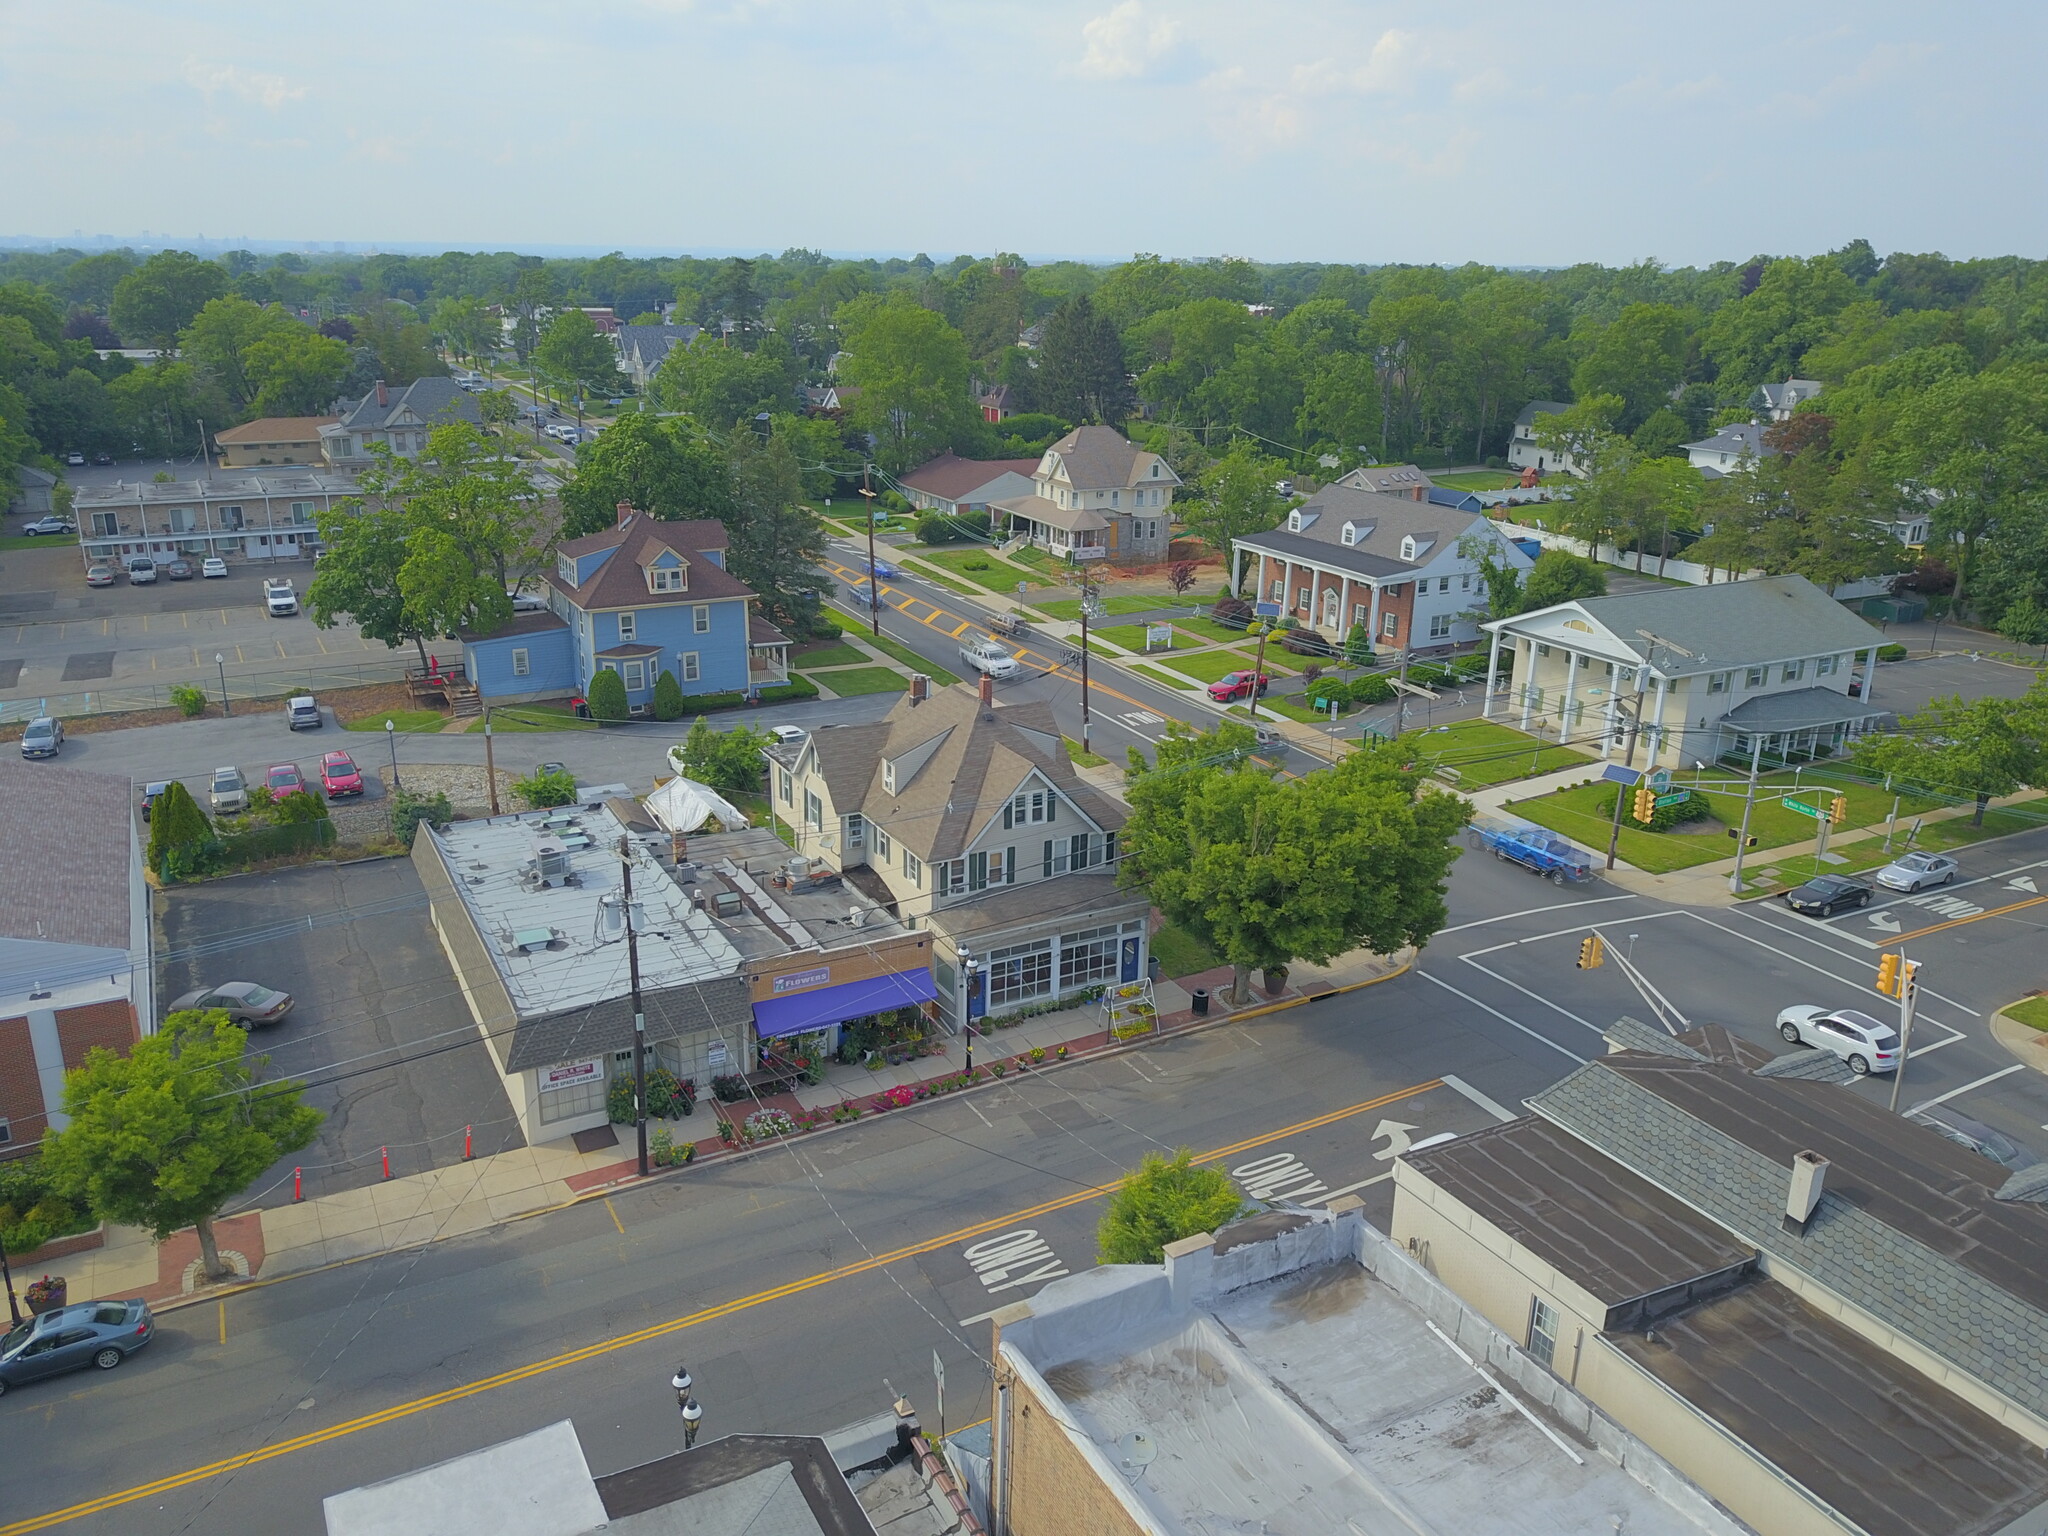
826 1006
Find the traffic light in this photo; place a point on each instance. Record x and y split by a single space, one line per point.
1590 956
1646 801
1888 975
1838 809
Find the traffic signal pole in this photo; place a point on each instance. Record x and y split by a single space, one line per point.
1909 990
1756 755
1635 720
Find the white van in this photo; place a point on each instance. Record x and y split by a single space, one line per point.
985 655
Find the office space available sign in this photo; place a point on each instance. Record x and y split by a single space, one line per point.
796 981
571 1074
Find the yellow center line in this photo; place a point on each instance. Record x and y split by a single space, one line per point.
614 1210
657 1331
1921 933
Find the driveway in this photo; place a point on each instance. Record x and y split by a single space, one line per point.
380 1030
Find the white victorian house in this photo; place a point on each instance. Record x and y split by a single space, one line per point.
1714 670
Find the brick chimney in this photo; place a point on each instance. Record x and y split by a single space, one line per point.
625 514
988 691
383 394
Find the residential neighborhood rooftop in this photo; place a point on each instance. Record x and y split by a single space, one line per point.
218 488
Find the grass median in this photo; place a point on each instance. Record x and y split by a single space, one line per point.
1484 753
860 680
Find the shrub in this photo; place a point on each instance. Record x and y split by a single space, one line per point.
1891 653
301 806
1163 1202
1427 675
729 761
938 528
1181 576
1372 689
729 1087
409 810
668 696
181 840
1692 808
1234 612
191 701
547 787
260 797
607 696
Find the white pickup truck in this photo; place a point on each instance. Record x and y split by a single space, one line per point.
280 597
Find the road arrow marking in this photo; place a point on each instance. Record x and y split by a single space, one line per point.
1397 1137
1885 921
2024 883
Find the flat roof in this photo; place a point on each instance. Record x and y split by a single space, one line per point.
128 492
1615 1234
1322 1402
815 912
1856 1427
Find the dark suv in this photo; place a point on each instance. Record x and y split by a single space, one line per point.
96 1333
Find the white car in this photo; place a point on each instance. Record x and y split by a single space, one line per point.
141 571
213 565
1917 871
44 525
987 656
1867 1044
787 735
528 602
280 597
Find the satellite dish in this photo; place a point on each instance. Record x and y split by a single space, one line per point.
1135 1452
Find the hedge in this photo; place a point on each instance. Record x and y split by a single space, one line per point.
1694 807
798 687
277 842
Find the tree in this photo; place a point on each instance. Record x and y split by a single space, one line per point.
497 408
363 550
394 334
180 836
220 338
1163 1202
1234 497
1958 746
467 327
1266 872
1636 360
911 368
1559 576
1181 576
1501 579
163 1137
777 541
668 696
156 301
729 761
535 289
1081 373
1582 435
666 469
606 695
572 352
2025 622
720 385
296 371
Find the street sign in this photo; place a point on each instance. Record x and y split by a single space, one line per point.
1660 781
1801 808
939 1378
1266 610
1680 797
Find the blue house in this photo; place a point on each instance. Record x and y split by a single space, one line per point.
641 598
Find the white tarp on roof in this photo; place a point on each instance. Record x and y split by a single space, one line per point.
684 805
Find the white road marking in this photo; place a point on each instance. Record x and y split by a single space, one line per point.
1956 1093
1558 933
1808 936
1546 1002
1884 922
2024 883
1279 1175
1459 1085
998 1260
1515 1023
1141 717
1508 917
1352 1189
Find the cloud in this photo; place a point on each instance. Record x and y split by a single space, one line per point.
1124 43
252 86
1390 66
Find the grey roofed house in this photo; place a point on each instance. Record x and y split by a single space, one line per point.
1102 458
644 348
1368 532
1727 447
1731 623
1781 400
31 494
435 401
1391 479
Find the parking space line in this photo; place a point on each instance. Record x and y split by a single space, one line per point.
1515 1023
1956 1093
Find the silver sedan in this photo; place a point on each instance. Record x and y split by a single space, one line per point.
243 1001
1917 871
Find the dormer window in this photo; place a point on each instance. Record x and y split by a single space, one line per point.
666 578
1408 547
1350 534
889 777
1294 522
565 570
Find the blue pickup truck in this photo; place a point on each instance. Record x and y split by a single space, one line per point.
1536 849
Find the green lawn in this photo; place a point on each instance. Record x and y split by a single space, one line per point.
15 541
939 578
1484 753
510 720
1038 559
1132 637
1208 666
993 573
862 680
889 647
414 722
1069 608
2032 1012
1082 759
1180 953
827 653
1479 480
1164 679
1209 629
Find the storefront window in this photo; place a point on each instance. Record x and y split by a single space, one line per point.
1019 972
567 1103
1088 956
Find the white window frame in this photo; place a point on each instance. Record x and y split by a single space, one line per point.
880 844
1440 626
814 811
634 675
1792 672
700 618
629 627
1756 677
1017 973
1545 1325
522 661
1390 624
913 869
856 829
692 665
785 784
665 578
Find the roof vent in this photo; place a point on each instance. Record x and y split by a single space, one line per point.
1802 1196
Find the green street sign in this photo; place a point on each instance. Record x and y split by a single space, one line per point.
1660 781
1682 795
1803 809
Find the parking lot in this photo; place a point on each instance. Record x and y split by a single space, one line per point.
379 1029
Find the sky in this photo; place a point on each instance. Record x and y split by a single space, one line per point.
1282 130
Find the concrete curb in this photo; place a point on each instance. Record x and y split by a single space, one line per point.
225 1292
2028 1045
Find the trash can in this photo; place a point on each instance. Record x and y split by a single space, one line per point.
1200 1000
1153 968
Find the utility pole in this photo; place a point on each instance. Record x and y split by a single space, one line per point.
490 762
1756 754
874 581
1087 612
639 1012
1259 669
1628 761
7 1278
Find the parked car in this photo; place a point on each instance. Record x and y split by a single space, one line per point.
97 1333
1867 1044
528 602
787 735
141 571
303 713
179 569
229 791
213 565
283 779
339 775
1976 1135
987 656
1239 685
75 460
1917 871
280 597
99 576
1825 895
44 525
149 794
245 1002
103 458
43 737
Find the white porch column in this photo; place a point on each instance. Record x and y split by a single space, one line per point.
1564 707
1344 610
1526 651
1236 568
1372 617
1613 721
1657 718
1492 668
1869 675
1287 590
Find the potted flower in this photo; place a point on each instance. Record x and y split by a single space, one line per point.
46 1294
1059 1053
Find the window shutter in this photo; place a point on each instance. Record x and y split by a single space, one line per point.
1045 869
1009 866
1052 806
1009 815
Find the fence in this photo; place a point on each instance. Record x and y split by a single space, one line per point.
247 682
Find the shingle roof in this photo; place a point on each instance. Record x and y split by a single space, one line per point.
652 343
1300 546
1728 624
434 400
1381 522
1742 437
951 477
621 583
1909 1228
1102 458
1394 479
520 624
1040 510
1798 710
65 844
1527 420
277 429
607 1026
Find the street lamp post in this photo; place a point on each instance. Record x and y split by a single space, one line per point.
491 765
391 736
7 1278
222 662
967 1005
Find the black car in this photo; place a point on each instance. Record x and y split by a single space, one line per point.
149 793
95 1333
1825 895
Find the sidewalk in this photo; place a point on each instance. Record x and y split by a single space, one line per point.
412 1211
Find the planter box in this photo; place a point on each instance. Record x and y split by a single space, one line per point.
60 1247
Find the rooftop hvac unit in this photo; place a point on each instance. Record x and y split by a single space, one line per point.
856 916
798 867
728 903
551 862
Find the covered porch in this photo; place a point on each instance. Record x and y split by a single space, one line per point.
1072 533
1807 723
767 653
